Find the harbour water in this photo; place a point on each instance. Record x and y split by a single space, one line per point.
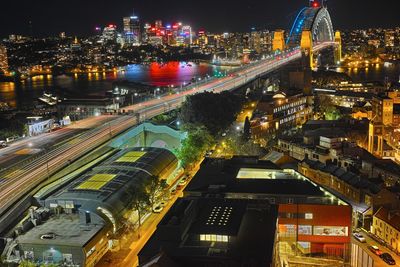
23 94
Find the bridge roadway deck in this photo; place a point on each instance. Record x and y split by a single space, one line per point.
236 79
24 180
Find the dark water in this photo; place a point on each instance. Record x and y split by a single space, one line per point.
374 73
23 94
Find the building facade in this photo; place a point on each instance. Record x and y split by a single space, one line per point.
132 30
3 59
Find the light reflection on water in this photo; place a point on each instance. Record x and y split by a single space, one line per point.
24 93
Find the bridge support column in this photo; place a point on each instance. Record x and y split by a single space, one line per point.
306 45
278 42
338 48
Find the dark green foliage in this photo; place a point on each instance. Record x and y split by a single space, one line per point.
194 146
215 111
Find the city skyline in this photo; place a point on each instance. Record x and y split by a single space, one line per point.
47 20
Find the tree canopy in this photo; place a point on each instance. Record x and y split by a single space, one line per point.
215 111
195 145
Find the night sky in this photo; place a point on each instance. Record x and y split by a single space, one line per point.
79 17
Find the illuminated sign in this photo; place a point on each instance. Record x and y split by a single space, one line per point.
331 230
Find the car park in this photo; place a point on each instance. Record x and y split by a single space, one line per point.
375 250
359 237
386 257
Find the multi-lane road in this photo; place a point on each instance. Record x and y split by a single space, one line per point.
378 262
19 181
234 80
29 147
23 180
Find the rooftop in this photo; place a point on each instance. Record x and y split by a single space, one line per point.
344 175
392 218
63 230
232 232
249 175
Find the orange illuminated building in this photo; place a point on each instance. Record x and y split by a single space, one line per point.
312 222
317 229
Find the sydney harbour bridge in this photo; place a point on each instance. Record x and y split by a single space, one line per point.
312 32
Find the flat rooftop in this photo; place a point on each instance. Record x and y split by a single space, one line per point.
65 229
249 176
228 231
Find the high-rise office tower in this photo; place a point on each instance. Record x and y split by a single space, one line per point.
110 33
132 31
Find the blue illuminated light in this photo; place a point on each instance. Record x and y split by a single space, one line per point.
295 24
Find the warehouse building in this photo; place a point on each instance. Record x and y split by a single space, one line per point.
93 211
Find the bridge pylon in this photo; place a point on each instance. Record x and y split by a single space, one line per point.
306 45
338 48
278 42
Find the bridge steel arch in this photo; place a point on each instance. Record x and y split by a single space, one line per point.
317 21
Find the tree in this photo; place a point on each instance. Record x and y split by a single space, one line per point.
215 111
239 146
139 199
332 113
155 187
246 129
195 145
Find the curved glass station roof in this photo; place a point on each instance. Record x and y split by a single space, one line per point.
110 184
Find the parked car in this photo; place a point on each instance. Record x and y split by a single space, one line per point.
157 208
375 250
386 257
359 237
163 203
173 191
182 181
3 143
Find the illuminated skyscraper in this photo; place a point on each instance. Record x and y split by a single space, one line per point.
187 34
389 38
3 59
132 31
110 33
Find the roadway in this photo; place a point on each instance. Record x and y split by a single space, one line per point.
27 147
235 79
378 262
21 181
135 241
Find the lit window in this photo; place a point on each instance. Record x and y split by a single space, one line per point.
309 216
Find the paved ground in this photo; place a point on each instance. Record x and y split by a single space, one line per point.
29 146
378 262
134 242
